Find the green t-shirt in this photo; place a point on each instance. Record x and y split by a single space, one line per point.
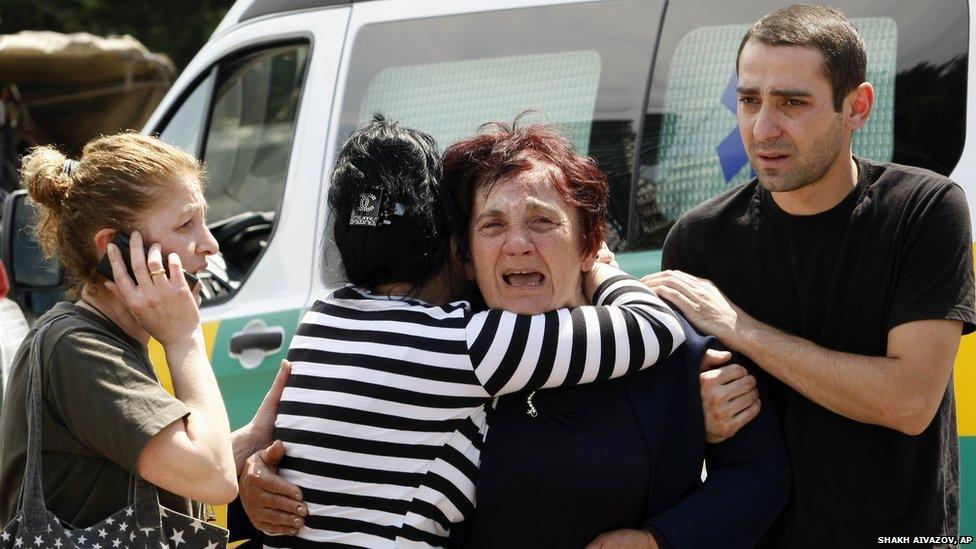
102 404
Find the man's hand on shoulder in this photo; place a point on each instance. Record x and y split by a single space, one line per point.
703 304
728 394
274 506
901 391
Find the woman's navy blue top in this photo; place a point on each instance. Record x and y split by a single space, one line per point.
530 495
627 453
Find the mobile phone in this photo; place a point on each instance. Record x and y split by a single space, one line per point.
122 242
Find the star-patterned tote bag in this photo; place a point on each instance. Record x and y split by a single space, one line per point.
144 524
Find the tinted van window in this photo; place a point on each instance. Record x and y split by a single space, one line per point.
240 120
691 148
584 67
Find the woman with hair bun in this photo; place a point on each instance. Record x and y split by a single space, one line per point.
105 417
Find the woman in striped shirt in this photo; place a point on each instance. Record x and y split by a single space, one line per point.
384 415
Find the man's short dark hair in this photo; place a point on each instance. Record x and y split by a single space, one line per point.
401 168
824 29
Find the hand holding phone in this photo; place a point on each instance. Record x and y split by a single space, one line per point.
121 241
165 311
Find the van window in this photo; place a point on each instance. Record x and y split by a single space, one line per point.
186 126
240 120
484 89
691 147
583 67
251 127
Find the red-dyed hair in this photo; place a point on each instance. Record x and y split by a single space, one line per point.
500 151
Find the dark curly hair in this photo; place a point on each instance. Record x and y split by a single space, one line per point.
403 165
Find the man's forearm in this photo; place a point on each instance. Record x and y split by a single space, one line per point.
870 389
901 390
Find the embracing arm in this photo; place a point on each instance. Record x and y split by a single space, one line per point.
271 504
627 329
259 432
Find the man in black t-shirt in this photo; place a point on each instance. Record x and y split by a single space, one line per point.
847 281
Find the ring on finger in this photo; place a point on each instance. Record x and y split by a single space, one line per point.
157 272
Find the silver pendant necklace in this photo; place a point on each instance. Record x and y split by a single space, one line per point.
531 405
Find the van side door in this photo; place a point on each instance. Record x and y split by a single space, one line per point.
255 106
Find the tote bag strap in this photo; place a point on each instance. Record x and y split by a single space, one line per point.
143 495
32 491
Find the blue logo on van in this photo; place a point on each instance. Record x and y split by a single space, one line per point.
731 151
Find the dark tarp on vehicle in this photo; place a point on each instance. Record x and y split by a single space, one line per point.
65 89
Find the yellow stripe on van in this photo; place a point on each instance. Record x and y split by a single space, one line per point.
966 383
158 356
966 386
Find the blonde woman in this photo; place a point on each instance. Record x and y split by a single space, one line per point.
105 416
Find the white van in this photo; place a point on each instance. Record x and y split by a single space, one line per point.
647 87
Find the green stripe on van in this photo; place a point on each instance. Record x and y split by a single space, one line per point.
640 263
967 490
243 388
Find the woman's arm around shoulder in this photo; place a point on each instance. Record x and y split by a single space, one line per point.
627 329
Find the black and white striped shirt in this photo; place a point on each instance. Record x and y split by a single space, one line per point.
383 418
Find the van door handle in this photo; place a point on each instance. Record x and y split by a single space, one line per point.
256 342
264 341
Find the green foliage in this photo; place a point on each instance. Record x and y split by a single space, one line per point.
177 28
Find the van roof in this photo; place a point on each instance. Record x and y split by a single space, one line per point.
244 10
258 8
